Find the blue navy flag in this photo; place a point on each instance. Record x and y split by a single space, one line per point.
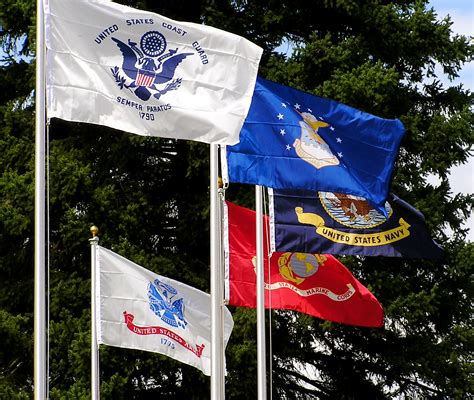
292 139
336 223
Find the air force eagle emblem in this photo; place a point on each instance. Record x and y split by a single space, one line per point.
311 147
145 67
160 296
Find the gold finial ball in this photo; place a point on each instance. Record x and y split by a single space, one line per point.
94 230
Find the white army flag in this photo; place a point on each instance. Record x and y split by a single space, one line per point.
140 72
138 309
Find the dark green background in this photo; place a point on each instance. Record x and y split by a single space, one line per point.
150 198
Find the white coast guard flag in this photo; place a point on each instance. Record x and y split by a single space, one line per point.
140 72
138 309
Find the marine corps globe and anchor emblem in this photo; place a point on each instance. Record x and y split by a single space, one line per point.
146 67
296 267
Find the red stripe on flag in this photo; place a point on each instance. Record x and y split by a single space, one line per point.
160 330
144 80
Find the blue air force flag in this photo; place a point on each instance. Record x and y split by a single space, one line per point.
291 139
140 72
336 223
138 309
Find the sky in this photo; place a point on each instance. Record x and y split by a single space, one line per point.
462 16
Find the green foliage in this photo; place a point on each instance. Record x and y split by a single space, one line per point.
150 199
15 344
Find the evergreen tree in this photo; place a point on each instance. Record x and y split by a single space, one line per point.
150 199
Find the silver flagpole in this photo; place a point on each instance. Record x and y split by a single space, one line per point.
217 367
40 366
261 367
95 379
220 280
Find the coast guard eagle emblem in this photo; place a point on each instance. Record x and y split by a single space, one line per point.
146 67
160 296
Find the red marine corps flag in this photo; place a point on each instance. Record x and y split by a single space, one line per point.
314 284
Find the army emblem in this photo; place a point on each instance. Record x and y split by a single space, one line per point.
161 302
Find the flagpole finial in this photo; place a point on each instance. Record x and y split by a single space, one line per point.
94 230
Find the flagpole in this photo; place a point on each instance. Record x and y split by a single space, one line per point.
220 280
261 366
217 367
40 358
95 379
